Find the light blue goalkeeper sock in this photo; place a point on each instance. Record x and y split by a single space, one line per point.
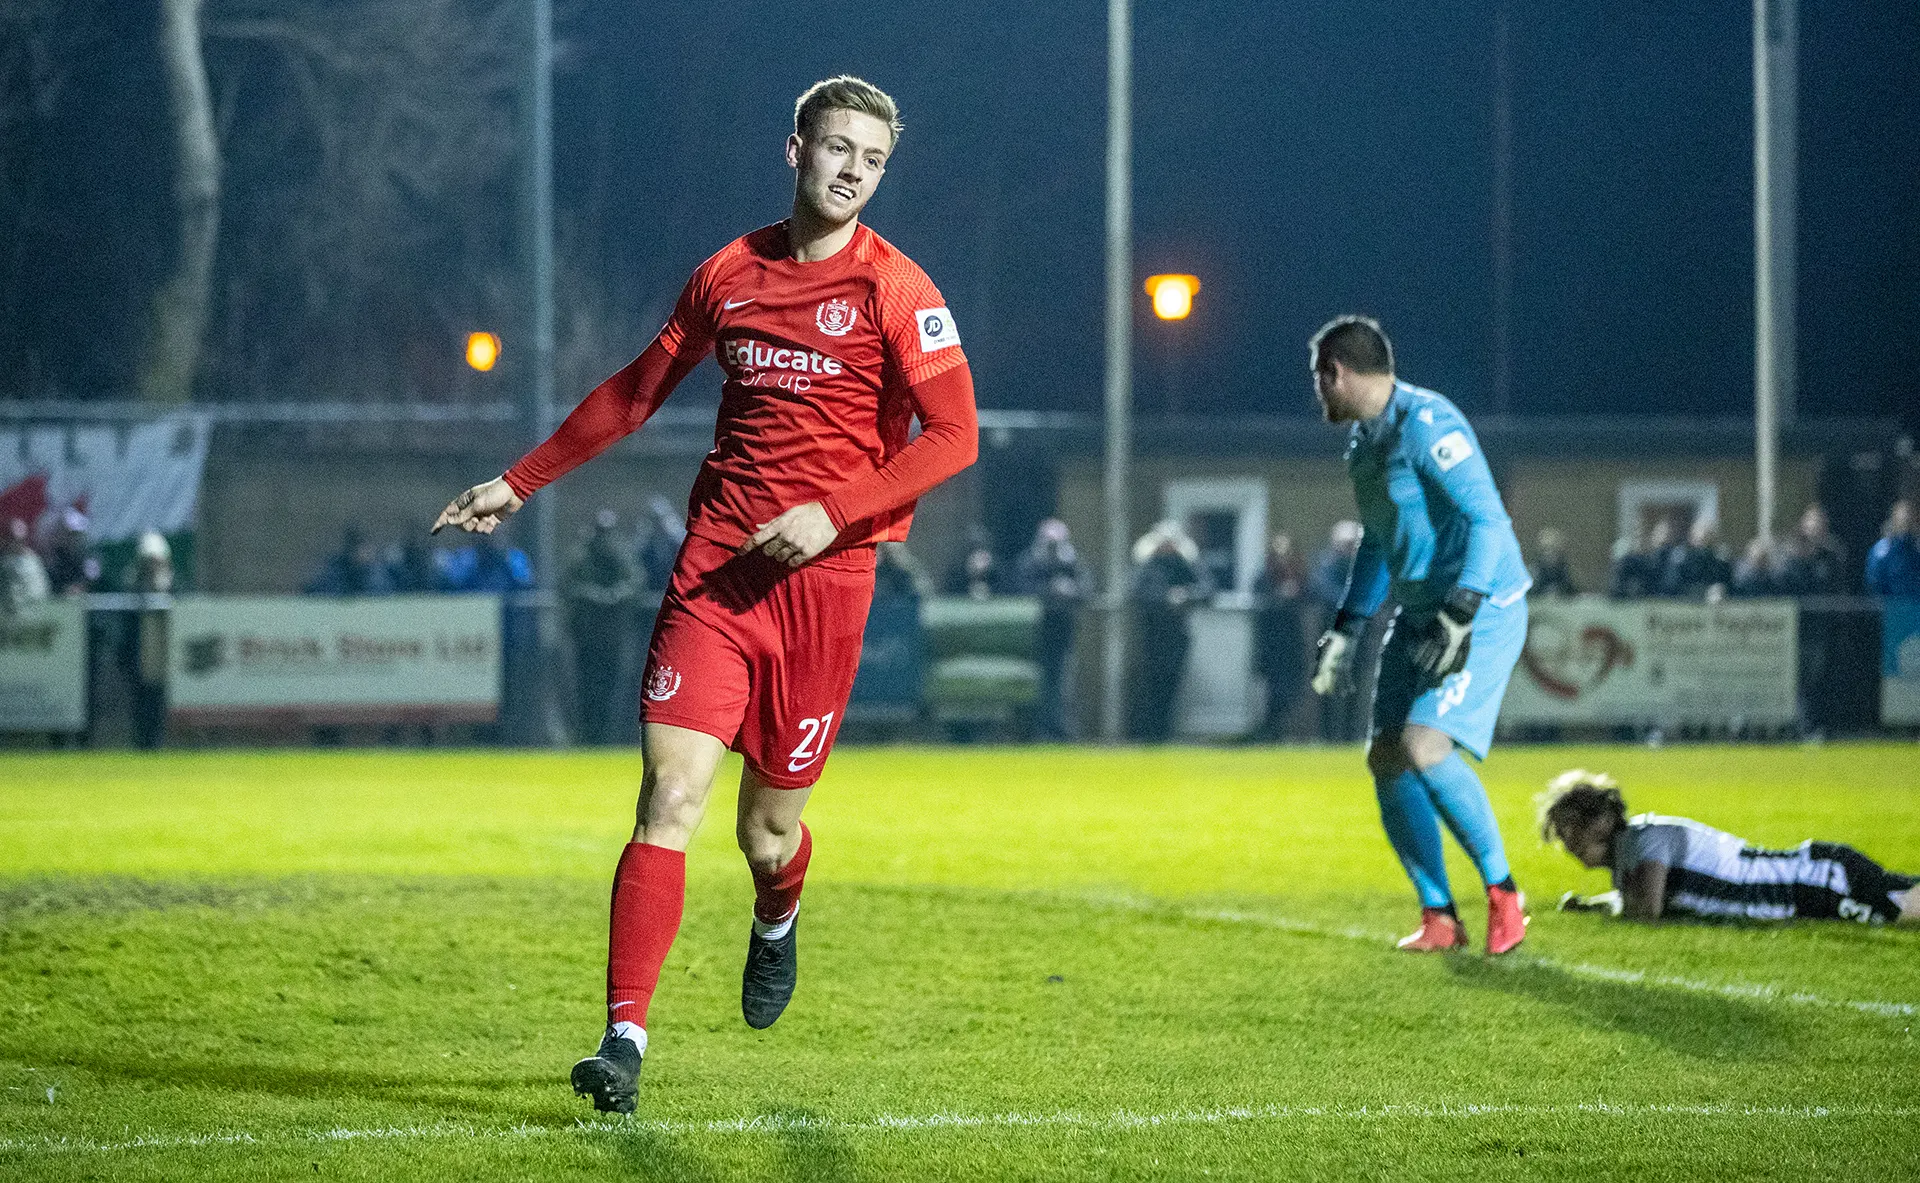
1462 802
1406 809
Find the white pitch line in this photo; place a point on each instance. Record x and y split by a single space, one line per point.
887 1123
1629 977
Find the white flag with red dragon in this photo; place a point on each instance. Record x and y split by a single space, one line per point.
126 478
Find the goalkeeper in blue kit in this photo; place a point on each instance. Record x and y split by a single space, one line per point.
1438 538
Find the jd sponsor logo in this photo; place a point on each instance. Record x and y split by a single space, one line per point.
937 330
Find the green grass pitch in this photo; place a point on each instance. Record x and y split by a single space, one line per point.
1045 963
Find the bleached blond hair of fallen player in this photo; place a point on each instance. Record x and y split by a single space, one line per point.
1575 797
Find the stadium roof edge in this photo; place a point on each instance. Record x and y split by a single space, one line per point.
1508 437
690 426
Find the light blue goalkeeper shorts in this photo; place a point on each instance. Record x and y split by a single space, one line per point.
1467 704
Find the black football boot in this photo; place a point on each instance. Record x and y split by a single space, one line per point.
611 1076
766 985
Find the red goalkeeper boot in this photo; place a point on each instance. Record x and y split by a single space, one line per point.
1506 919
1439 931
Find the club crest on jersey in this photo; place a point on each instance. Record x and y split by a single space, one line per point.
663 683
835 318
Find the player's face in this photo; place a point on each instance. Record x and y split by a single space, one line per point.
1333 383
1589 842
840 165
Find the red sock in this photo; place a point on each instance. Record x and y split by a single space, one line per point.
649 893
776 894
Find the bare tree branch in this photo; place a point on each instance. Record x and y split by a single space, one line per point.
378 142
180 309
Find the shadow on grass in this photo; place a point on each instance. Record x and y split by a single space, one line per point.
35 896
52 895
810 1152
805 1150
1705 1026
458 1096
647 1154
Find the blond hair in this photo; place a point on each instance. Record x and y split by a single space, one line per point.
1575 798
844 92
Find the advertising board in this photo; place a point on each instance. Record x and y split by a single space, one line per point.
1657 662
238 659
1900 662
43 667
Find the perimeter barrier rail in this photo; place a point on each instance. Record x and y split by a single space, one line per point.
127 669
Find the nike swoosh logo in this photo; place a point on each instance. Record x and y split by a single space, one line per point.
730 305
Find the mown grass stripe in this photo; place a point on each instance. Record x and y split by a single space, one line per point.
1121 1119
1748 992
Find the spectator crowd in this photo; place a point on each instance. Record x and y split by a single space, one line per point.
1810 560
613 578
62 562
1293 597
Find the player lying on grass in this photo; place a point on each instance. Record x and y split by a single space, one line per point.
830 342
1438 538
1675 866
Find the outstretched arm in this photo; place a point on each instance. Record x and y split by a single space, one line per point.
949 440
611 411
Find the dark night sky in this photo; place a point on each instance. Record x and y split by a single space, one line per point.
1302 159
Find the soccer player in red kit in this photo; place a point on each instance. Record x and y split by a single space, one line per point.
831 342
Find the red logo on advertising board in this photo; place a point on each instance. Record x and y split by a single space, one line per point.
1568 667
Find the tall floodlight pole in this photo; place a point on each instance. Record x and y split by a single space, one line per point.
538 232
1502 209
1119 384
1776 52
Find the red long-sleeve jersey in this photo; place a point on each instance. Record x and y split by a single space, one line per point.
826 363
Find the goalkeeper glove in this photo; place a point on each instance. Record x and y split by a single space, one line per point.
1333 663
1606 901
1442 652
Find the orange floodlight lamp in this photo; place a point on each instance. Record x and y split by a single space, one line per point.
483 350
1172 295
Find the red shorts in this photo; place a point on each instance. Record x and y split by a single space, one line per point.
759 655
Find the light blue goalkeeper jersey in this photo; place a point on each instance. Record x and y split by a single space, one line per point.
1433 518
